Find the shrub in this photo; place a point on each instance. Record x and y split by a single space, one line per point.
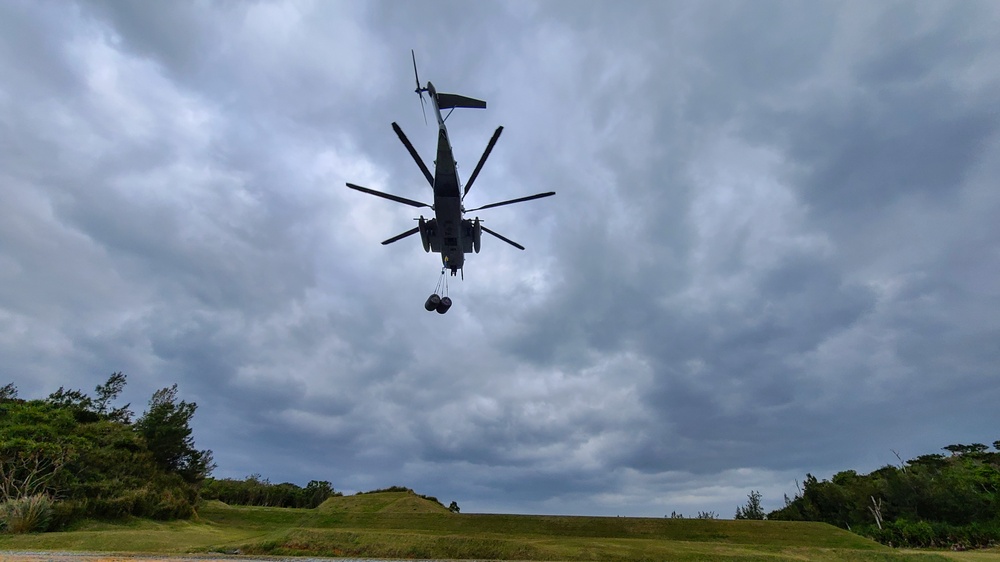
172 504
916 533
933 534
26 515
65 512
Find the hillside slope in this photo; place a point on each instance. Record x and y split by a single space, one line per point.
382 502
404 525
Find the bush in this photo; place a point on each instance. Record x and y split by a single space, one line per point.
114 507
916 533
65 512
152 501
933 534
26 515
172 504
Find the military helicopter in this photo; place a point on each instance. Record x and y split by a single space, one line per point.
448 232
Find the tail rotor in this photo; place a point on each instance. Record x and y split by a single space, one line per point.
420 91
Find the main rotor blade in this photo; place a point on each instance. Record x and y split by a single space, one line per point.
401 236
388 196
413 153
518 200
507 240
482 160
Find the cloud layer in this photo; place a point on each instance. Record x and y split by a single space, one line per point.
773 250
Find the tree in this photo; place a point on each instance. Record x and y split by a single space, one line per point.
106 393
962 449
257 490
87 409
752 510
79 403
930 500
9 392
27 473
454 507
166 428
89 464
317 492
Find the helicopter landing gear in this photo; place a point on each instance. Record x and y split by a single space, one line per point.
437 302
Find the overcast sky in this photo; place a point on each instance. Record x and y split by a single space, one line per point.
774 248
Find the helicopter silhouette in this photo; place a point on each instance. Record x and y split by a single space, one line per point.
448 233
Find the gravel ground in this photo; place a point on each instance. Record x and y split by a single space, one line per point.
18 556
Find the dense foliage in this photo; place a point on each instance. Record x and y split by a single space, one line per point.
72 455
255 490
932 500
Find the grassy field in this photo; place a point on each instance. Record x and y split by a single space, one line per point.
403 525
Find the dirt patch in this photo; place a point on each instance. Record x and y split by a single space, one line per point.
10 556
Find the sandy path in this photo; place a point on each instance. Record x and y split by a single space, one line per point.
8 556
24 556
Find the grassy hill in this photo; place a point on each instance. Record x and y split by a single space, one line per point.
384 502
404 525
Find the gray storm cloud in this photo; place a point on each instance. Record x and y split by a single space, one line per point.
772 252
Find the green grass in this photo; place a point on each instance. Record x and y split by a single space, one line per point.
403 525
386 502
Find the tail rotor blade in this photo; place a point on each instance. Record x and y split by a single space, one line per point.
507 240
512 201
389 196
419 90
482 160
401 236
415 77
413 153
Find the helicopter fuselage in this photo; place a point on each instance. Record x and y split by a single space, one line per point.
447 233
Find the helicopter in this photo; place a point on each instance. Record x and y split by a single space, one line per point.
448 232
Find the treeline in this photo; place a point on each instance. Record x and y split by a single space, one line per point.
930 501
73 455
258 491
